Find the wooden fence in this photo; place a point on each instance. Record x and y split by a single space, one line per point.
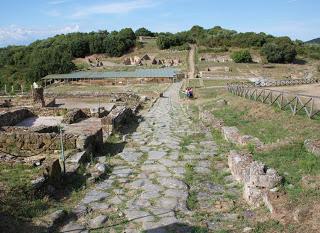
305 104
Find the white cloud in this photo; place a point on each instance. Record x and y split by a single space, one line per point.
19 35
113 8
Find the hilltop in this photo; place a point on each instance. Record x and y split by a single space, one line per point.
314 41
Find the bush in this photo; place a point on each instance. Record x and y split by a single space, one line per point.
279 53
242 56
169 40
182 47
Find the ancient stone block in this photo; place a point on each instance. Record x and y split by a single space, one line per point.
250 140
118 117
74 116
238 164
231 134
253 195
262 177
52 170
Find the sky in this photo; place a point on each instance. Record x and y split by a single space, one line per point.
23 21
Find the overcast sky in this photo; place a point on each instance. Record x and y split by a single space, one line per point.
22 22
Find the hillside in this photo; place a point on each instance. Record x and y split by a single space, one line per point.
314 41
23 65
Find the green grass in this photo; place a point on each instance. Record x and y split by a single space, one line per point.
266 130
293 162
20 200
217 177
190 179
268 226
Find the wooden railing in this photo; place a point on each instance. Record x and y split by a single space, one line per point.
297 103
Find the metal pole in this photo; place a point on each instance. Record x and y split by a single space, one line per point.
62 152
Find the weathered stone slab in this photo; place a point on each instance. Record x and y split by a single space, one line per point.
156 155
94 196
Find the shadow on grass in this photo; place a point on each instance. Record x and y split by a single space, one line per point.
10 224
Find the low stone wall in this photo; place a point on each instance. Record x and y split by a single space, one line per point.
208 120
313 146
124 97
14 117
33 142
233 135
258 180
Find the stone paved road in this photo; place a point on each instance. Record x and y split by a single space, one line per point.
146 188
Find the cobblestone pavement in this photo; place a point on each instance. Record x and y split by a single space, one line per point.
147 190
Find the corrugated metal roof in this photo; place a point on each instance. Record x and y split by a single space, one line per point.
140 73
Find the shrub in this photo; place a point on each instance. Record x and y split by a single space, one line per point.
182 47
242 56
279 53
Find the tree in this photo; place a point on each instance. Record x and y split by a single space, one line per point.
279 53
242 56
144 32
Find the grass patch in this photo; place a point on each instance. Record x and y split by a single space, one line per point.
192 200
224 146
19 199
217 177
190 180
269 226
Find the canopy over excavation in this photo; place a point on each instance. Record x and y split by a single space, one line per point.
139 75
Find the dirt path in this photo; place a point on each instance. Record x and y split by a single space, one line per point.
191 61
161 181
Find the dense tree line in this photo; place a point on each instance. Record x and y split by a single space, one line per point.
27 64
275 49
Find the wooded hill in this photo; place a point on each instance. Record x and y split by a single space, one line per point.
26 64
314 41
